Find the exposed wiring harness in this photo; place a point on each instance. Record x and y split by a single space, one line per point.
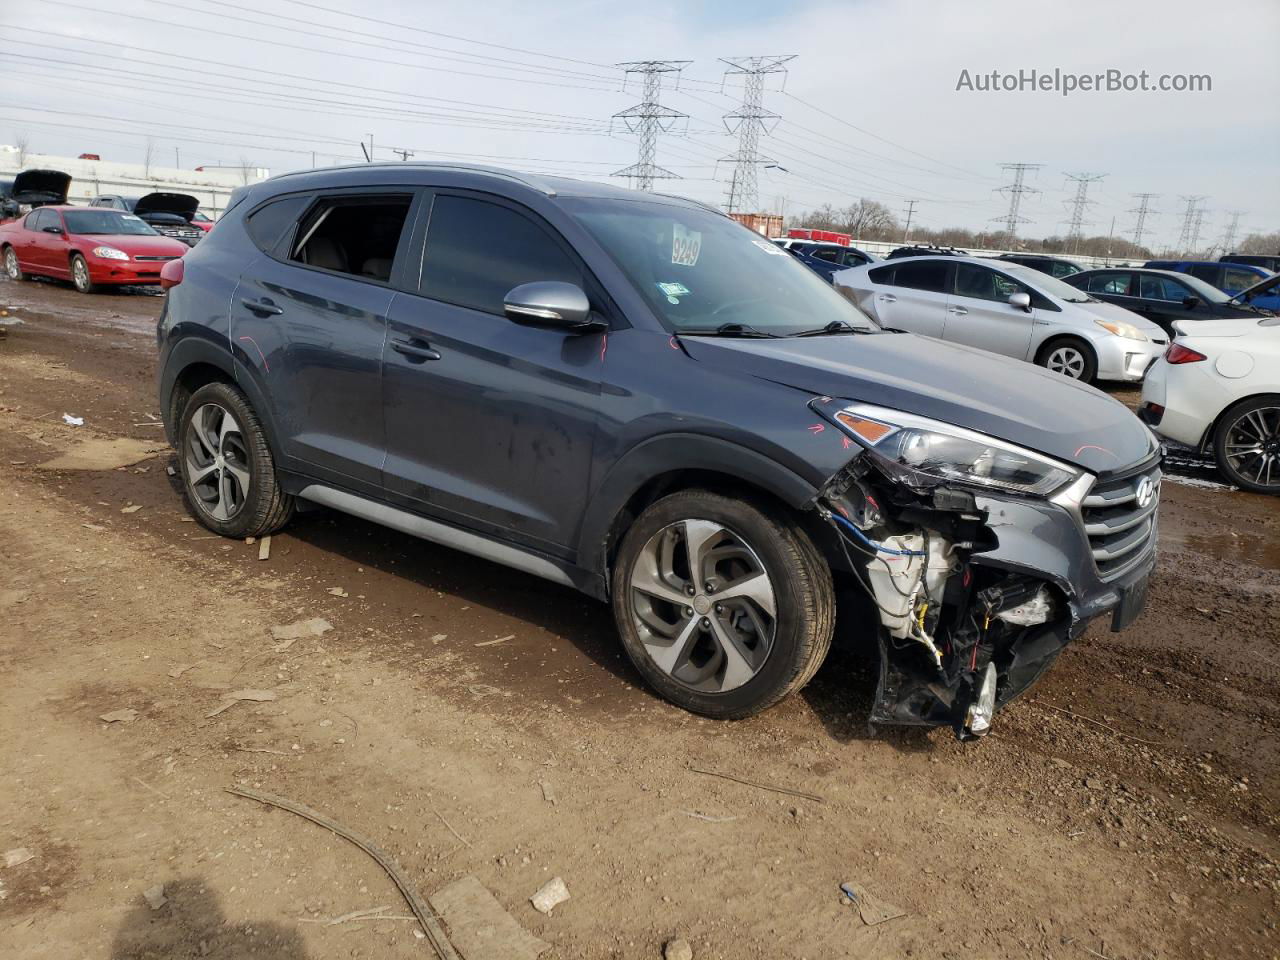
849 525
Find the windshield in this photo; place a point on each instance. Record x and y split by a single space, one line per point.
1046 284
1205 291
700 271
113 222
1260 289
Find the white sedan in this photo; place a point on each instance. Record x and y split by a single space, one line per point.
1217 388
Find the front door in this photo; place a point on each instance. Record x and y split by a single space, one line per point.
979 313
309 321
490 424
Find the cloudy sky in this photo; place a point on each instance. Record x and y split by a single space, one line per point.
870 106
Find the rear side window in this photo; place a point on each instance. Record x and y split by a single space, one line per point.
826 253
1114 283
353 235
1206 272
1238 279
930 275
478 251
1060 269
882 275
267 224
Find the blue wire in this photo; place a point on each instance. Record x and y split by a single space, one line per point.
871 543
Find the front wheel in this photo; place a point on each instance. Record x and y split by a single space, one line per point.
228 472
1071 357
1246 444
11 265
80 274
724 607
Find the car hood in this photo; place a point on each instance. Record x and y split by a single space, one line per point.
39 187
136 245
1008 399
183 204
1110 311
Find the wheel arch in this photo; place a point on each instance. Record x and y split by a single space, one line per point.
1206 440
194 361
664 465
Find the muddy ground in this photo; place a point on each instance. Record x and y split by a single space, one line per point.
1126 809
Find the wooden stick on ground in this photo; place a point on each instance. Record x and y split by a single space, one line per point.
430 926
762 786
1096 723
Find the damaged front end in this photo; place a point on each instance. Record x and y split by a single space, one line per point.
976 559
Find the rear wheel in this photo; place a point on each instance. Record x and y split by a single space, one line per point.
723 606
80 274
11 266
228 472
1071 357
1246 443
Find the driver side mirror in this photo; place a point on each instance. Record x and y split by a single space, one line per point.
1020 300
1191 302
551 303
52 229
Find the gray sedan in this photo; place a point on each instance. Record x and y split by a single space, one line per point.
1008 309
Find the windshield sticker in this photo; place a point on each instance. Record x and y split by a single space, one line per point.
769 247
674 291
686 244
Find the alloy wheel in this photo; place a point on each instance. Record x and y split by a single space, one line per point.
1252 446
703 605
80 273
217 462
1067 361
11 264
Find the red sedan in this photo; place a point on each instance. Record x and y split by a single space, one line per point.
88 246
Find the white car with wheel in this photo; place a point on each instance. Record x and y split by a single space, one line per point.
1009 309
1217 389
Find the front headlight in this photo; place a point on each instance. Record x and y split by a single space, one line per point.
945 452
110 253
1121 329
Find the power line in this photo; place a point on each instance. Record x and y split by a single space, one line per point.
648 118
1079 203
1143 210
1015 190
749 121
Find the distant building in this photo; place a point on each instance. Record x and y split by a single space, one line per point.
91 177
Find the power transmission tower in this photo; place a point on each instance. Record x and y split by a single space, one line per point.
648 118
1185 242
911 209
1079 203
1143 210
403 154
748 122
1015 191
1233 227
1196 227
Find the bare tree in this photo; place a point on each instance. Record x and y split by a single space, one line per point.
22 142
147 156
244 170
1264 243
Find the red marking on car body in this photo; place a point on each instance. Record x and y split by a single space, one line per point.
846 442
265 366
604 345
817 428
1093 446
673 343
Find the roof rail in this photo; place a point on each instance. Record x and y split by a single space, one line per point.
460 167
696 203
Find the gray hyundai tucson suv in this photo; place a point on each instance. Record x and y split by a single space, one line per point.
636 396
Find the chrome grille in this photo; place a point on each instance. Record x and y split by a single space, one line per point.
157 259
1119 526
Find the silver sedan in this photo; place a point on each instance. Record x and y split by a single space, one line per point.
1008 309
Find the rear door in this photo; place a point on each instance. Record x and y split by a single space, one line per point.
309 319
979 313
911 295
490 424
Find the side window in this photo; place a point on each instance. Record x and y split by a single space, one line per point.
39 220
1061 270
1238 279
1116 284
478 251
1207 272
267 224
354 235
827 254
882 275
928 275
852 258
1163 288
983 284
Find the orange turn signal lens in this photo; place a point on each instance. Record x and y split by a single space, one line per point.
870 432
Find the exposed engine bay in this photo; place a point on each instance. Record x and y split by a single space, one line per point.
961 634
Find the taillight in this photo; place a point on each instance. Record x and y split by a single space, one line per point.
1177 353
171 274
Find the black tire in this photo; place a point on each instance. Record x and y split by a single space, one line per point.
11 266
802 593
237 510
1071 357
1256 417
80 275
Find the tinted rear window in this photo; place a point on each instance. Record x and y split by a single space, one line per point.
928 275
268 223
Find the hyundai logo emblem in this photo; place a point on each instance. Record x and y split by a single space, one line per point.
1146 492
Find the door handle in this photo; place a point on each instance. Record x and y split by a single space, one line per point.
958 311
262 307
417 351
887 298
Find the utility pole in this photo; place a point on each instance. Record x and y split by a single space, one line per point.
648 118
176 162
1185 241
1015 191
1078 204
749 121
367 151
1110 238
1233 227
1143 210
911 209
404 154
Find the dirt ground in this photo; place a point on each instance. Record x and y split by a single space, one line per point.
1126 809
